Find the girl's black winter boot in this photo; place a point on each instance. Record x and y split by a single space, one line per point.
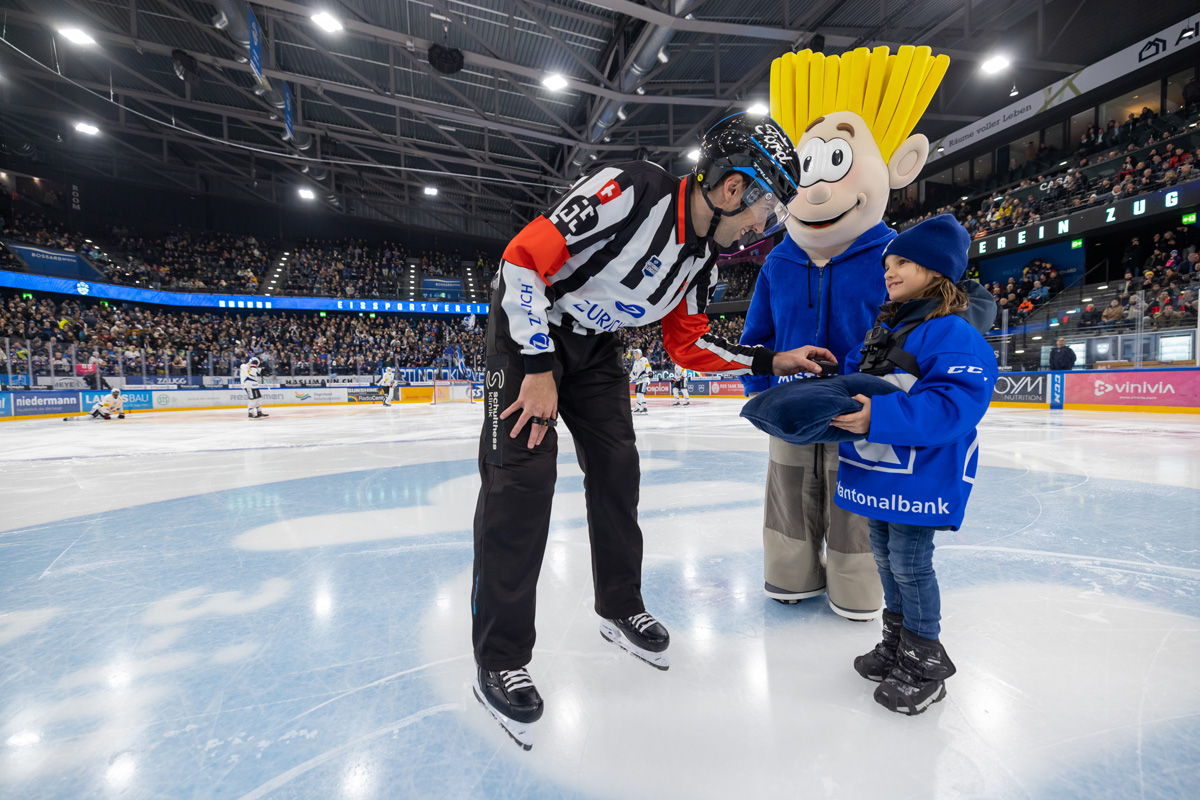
875 665
918 679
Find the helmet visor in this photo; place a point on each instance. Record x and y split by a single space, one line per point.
768 210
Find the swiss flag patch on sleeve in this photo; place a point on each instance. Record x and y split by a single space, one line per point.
609 191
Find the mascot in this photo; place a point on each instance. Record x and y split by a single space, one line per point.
851 118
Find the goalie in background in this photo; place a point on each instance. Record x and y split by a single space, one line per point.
251 377
387 384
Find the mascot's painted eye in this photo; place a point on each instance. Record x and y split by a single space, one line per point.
812 159
839 155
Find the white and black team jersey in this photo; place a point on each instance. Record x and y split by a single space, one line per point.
620 250
641 371
251 377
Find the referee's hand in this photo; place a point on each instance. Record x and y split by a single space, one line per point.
538 398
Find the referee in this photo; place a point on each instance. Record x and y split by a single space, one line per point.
629 245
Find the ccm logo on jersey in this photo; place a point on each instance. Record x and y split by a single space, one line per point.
637 312
609 192
972 370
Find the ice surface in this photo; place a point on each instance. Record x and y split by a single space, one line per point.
194 605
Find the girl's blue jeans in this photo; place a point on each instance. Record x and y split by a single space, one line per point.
904 556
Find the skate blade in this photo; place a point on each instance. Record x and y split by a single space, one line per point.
614 635
519 732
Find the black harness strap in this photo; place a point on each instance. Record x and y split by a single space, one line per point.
883 351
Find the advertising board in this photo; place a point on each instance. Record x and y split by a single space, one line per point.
26 404
1175 389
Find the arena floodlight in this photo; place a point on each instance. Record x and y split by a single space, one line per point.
431 191
758 109
75 36
307 194
1014 91
86 127
554 82
997 63
327 22
694 155
663 57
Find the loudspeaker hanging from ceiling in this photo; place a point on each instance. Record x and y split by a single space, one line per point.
447 60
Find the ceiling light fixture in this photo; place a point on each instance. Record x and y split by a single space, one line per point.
86 127
663 57
996 63
307 194
1014 92
327 22
76 36
694 155
554 82
431 191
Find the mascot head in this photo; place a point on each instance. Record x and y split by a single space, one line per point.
851 117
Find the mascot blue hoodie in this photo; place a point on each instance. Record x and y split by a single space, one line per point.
797 303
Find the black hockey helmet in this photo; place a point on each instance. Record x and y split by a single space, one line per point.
757 147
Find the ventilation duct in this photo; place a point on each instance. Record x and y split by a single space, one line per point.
653 41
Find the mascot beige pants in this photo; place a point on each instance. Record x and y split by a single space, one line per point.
811 545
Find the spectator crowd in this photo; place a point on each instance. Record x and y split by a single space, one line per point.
1143 154
115 338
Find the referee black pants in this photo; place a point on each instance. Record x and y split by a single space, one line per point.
512 517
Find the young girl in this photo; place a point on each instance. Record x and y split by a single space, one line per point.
913 473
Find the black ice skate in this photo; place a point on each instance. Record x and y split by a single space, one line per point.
875 665
640 635
511 698
918 679
261 415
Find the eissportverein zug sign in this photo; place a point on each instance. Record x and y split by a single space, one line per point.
1174 199
1170 40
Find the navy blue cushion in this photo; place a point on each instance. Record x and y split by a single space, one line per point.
799 412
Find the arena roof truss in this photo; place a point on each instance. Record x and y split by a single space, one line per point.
375 123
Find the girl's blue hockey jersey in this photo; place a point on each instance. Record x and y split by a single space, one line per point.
918 462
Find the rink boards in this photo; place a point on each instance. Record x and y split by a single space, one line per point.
1168 391
40 405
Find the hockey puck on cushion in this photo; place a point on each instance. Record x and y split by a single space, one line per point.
799 412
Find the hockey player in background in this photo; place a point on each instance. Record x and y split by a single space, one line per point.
386 384
110 405
679 386
640 377
628 245
251 375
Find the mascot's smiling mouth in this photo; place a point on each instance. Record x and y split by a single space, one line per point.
825 223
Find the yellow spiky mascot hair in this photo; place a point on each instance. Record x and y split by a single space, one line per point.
890 92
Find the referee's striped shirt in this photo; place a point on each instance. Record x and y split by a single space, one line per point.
620 250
